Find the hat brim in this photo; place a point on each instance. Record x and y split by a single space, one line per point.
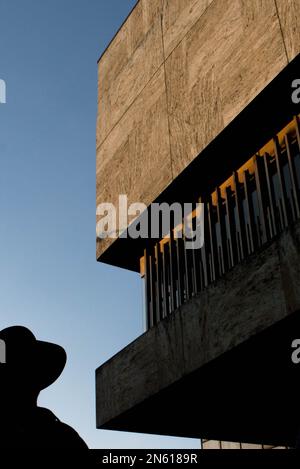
49 362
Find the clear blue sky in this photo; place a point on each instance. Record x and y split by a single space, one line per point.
49 278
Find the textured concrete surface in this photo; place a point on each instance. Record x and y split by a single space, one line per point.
178 17
204 60
136 150
289 16
213 444
248 300
231 53
128 64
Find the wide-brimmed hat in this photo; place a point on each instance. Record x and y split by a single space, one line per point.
40 362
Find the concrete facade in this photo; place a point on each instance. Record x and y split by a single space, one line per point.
175 75
213 444
255 295
188 92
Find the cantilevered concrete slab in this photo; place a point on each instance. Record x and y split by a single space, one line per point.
228 348
259 121
176 74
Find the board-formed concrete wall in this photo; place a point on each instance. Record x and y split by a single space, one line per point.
174 76
253 296
215 444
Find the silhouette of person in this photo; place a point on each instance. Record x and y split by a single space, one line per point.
29 366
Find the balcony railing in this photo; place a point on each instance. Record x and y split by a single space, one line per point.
249 209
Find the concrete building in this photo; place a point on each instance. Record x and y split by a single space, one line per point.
198 101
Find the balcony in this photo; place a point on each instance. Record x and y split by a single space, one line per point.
219 366
244 213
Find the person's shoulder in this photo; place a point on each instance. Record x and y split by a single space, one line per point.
71 437
65 435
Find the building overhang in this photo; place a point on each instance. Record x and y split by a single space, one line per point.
220 367
259 121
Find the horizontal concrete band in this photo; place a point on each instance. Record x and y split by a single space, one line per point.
257 124
175 76
182 364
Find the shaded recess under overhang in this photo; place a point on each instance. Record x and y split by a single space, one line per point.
266 115
249 394
219 367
